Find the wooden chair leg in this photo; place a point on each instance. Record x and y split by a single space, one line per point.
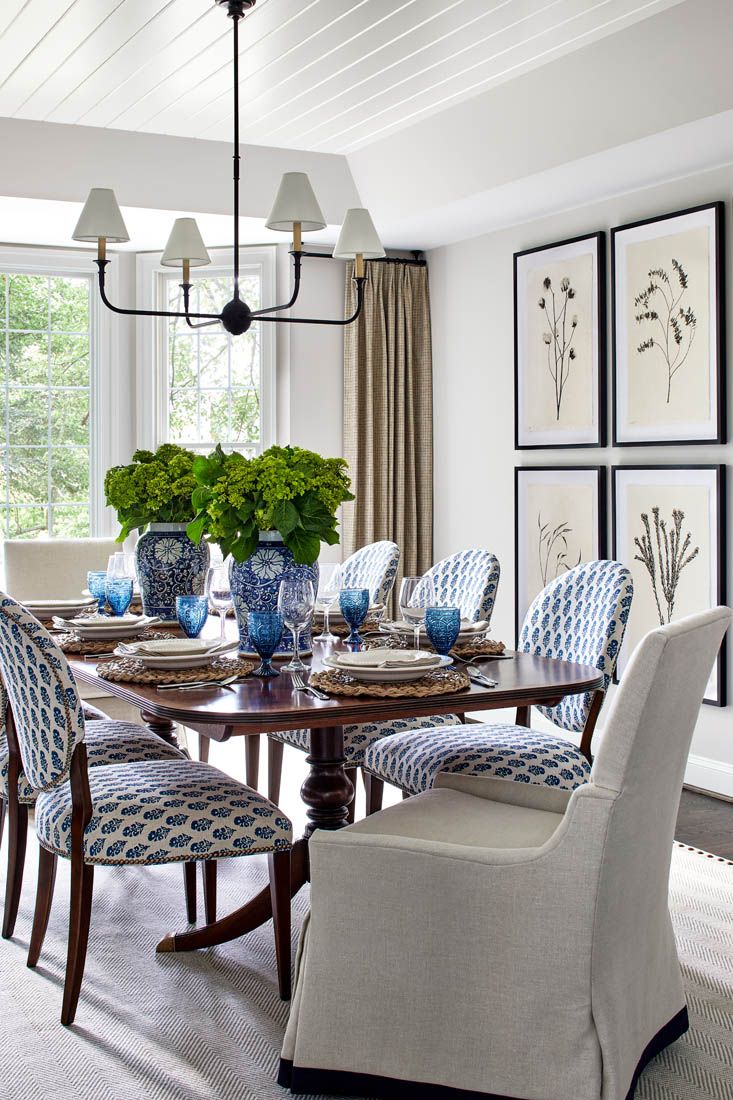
17 837
252 761
374 792
82 883
47 862
405 795
189 884
209 866
2 818
351 773
280 896
204 743
274 768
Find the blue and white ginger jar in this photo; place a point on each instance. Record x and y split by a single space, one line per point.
256 583
169 565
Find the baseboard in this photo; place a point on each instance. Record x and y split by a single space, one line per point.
715 776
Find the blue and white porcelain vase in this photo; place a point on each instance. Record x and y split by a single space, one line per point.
256 583
169 565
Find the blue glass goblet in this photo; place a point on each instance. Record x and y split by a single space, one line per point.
265 630
97 585
192 612
443 625
119 594
354 604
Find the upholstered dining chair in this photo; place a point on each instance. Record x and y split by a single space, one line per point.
39 569
374 567
581 616
108 742
516 938
148 812
469 580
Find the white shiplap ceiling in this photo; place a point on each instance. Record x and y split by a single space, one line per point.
326 75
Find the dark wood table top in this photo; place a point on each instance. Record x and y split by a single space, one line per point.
263 706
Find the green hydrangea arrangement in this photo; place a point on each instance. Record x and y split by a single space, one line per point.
154 488
285 489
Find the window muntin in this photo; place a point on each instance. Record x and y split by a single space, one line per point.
46 372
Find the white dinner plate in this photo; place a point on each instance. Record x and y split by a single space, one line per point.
388 658
387 675
46 609
468 632
104 628
183 658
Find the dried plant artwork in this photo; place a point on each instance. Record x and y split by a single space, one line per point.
664 553
661 307
553 550
558 338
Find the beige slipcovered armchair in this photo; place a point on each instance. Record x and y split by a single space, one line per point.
496 939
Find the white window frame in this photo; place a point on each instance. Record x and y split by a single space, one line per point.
152 365
73 263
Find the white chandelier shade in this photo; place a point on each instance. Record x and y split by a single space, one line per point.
358 237
295 202
185 245
101 218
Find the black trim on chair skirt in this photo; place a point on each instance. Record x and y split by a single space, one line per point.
313 1082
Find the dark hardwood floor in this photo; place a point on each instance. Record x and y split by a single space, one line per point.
707 823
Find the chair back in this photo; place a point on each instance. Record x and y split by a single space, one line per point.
581 616
49 721
40 569
469 580
373 567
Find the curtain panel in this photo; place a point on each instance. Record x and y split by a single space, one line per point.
388 414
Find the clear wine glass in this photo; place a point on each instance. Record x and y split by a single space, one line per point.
219 591
295 602
329 586
416 594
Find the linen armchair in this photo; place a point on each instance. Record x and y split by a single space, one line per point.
509 940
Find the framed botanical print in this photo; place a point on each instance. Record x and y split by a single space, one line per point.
669 529
559 522
668 277
560 344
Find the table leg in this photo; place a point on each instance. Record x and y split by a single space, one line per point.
327 791
162 727
248 917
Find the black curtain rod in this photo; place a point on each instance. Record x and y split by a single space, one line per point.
415 262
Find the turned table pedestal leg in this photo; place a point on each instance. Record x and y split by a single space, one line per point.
164 728
327 790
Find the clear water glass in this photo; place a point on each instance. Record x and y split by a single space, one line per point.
119 594
192 612
354 604
219 592
97 585
442 626
265 630
295 602
329 586
416 594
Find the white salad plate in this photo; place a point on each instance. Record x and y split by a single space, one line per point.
175 653
469 630
387 666
46 609
105 628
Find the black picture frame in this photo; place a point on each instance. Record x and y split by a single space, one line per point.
598 238
721 548
719 436
601 488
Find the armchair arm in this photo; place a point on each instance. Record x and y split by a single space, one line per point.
531 795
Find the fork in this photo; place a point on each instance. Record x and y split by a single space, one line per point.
200 684
477 677
300 685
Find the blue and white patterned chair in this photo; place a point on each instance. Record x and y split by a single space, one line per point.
147 812
580 617
373 567
469 580
108 742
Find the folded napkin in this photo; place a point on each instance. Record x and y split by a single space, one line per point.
468 627
387 658
170 647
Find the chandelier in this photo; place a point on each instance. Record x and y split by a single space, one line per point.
296 209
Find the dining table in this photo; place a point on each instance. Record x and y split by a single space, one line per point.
261 706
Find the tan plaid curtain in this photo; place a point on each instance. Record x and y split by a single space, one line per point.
388 414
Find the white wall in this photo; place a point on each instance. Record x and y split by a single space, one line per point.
472 313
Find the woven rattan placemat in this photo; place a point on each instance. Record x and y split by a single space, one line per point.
442 681
127 669
74 646
486 647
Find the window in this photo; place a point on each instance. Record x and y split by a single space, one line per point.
202 386
46 330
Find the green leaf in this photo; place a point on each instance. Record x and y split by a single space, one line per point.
303 547
205 470
285 517
196 528
200 497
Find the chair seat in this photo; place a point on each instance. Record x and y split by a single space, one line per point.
163 812
357 739
107 742
412 760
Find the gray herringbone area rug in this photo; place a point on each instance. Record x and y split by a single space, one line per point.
208 1026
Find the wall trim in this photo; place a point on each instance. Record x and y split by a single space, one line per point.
709 775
